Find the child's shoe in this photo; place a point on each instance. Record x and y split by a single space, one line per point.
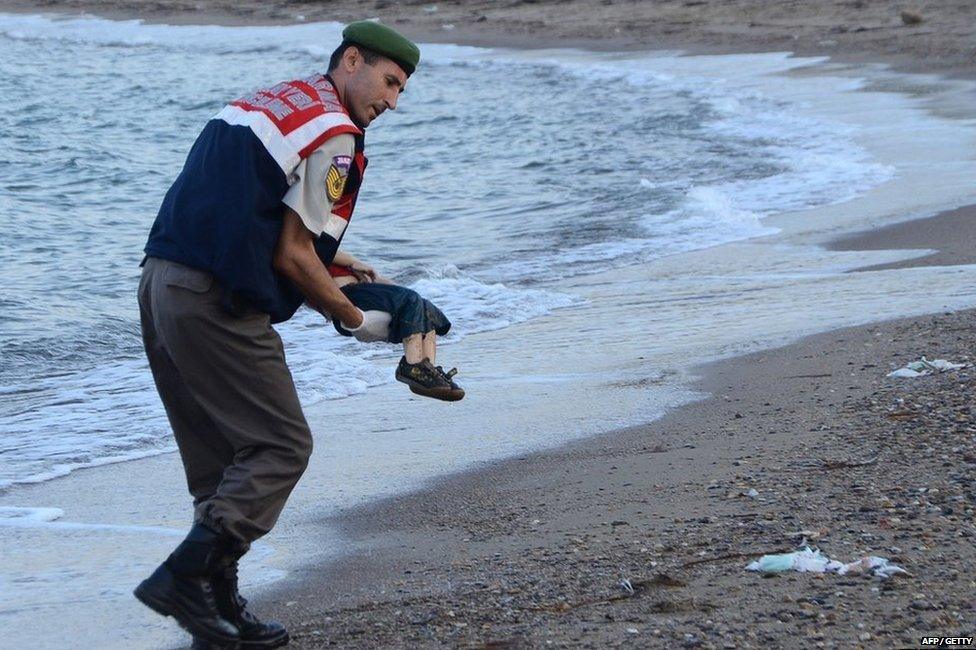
424 379
449 376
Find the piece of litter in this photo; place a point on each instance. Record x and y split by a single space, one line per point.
752 493
809 534
924 367
810 560
626 586
805 561
633 630
877 565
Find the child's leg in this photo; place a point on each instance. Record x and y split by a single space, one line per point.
414 348
430 346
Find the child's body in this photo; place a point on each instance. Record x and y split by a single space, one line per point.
414 321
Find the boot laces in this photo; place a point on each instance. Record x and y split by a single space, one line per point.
449 374
235 595
239 601
208 594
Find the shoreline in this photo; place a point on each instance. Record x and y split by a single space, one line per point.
531 550
547 586
950 234
850 32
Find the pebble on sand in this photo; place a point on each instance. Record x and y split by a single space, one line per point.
911 17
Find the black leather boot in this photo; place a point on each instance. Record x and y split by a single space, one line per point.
255 634
182 587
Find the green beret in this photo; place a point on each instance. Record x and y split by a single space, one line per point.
383 40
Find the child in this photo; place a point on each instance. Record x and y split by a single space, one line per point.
414 321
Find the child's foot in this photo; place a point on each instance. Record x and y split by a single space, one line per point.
424 379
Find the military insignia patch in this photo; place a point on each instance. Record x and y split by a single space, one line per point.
335 178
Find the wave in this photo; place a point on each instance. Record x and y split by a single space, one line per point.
326 365
78 395
304 38
110 413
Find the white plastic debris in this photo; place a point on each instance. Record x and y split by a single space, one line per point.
810 560
804 561
877 565
924 367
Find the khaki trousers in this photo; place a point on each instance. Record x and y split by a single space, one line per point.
229 396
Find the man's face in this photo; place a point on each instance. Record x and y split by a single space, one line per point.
371 88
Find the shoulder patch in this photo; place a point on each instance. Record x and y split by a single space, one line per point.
335 178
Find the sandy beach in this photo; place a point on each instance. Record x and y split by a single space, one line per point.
532 553
942 40
639 537
949 234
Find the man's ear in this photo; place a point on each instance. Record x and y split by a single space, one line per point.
352 58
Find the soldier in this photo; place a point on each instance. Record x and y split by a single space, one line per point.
242 238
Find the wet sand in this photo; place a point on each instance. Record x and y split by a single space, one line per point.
857 30
951 234
532 551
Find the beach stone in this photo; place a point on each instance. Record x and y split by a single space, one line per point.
911 17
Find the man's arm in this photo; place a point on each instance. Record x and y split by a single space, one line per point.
296 259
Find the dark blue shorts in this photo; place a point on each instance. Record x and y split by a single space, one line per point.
411 314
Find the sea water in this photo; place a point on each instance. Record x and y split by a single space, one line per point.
495 180
593 224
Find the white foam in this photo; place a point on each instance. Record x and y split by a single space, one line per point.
818 160
475 306
328 366
316 39
822 162
13 515
714 210
136 33
109 412
46 518
642 326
